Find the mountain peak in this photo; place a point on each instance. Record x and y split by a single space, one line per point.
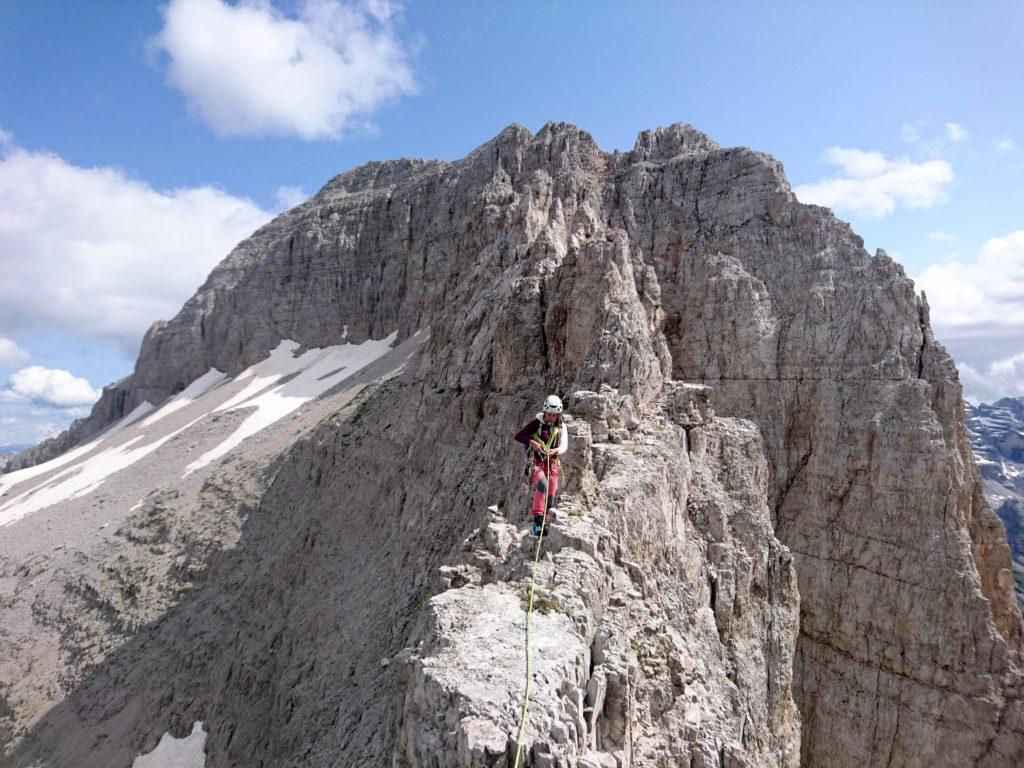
671 141
314 464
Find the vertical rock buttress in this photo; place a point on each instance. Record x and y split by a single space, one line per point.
909 650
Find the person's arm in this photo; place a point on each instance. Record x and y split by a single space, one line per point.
563 440
523 435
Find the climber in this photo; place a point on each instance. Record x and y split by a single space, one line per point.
544 439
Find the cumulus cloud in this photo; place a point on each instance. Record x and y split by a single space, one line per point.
955 132
6 137
988 288
942 237
289 197
1005 145
977 309
22 417
49 386
251 70
93 252
874 185
986 383
11 355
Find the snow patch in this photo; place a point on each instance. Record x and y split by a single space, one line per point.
81 479
271 389
312 373
188 752
995 422
13 478
187 396
281 362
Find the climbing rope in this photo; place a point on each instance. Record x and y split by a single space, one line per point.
529 610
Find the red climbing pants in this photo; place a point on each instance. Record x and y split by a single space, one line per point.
540 484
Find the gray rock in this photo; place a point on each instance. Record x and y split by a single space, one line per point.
541 264
607 673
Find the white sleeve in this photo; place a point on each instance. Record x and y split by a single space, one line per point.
563 440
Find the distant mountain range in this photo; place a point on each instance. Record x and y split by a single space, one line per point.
997 439
8 450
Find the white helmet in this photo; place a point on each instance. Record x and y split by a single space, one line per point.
552 404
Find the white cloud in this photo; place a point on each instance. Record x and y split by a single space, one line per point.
988 383
977 310
1005 145
289 197
909 133
1010 366
942 237
11 355
250 70
874 185
21 417
6 137
47 430
94 253
51 386
856 162
986 289
955 132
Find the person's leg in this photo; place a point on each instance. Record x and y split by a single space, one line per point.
556 474
540 486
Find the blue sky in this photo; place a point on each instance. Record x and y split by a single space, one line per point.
116 117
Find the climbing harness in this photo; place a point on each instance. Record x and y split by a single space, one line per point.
552 436
529 615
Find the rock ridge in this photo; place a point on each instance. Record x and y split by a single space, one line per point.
540 263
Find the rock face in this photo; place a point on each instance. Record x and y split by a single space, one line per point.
368 611
997 438
665 625
828 350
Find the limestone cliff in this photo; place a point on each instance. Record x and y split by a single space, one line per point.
363 606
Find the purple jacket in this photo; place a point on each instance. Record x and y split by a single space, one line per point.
536 425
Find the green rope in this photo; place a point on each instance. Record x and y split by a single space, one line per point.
529 614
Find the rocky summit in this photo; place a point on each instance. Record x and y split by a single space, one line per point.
297 533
